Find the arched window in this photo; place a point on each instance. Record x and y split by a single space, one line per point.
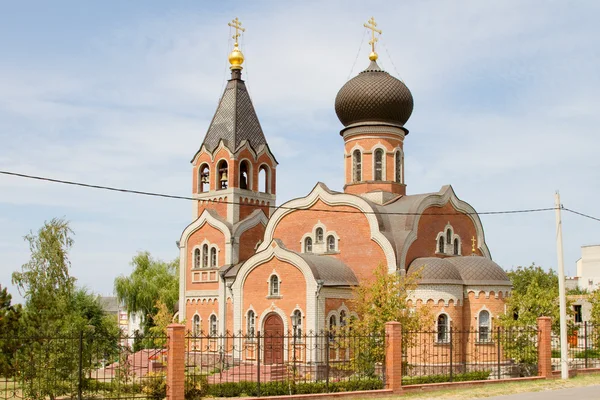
357 166
263 179
456 247
205 256
203 178
250 323
484 326
442 328
342 318
196 325
319 235
398 161
448 236
244 175
197 258
274 286
213 325
213 257
308 245
223 175
330 243
297 324
441 244
378 165
332 323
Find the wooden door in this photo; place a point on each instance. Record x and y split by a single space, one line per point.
273 339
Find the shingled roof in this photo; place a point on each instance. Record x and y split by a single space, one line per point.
235 119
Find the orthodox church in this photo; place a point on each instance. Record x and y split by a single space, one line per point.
248 265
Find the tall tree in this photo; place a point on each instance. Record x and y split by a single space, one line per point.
10 316
44 281
534 294
383 299
150 282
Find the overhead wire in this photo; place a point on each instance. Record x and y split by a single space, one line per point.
178 197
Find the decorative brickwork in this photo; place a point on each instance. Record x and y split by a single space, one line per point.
544 346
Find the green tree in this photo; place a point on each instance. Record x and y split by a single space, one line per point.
595 302
48 288
534 294
383 299
10 316
162 319
58 319
151 281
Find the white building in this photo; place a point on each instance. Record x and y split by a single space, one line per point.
588 268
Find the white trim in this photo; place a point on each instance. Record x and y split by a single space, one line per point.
250 170
269 176
199 172
381 147
445 195
218 178
322 193
490 327
272 250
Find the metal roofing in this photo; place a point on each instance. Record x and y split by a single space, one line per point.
374 96
235 119
434 270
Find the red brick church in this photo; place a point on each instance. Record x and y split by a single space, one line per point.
247 265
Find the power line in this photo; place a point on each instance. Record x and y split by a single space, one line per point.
170 196
582 214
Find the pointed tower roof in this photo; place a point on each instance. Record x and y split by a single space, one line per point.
235 119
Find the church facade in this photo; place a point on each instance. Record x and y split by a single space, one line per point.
248 265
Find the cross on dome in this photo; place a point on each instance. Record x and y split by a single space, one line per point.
371 24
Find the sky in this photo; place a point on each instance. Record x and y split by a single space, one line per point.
120 93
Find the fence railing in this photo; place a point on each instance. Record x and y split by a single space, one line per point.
79 365
583 347
459 355
285 363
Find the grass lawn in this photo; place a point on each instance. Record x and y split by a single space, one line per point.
502 388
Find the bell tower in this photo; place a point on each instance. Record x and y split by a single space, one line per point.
233 172
373 107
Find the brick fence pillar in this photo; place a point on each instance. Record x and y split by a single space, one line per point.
176 362
393 356
544 326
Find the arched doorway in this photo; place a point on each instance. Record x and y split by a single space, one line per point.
273 339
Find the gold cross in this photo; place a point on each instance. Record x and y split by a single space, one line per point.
371 24
473 247
237 25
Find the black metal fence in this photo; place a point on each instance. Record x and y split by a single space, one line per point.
462 355
583 347
79 365
285 363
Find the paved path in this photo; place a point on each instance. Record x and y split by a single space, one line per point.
578 393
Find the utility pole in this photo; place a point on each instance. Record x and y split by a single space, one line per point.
564 351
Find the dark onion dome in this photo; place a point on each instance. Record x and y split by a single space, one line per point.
374 96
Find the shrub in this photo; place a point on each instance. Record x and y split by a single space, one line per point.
244 388
196 387
155 385
465 376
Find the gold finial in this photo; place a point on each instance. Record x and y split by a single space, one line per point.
371 24
236 58
473 241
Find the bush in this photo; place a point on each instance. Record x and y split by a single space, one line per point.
155 385
244 388
589 353
196 387
465 376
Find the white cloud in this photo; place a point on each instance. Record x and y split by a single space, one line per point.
506 99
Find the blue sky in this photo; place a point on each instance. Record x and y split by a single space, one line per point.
121 93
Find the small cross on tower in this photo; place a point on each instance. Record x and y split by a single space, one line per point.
371 24
473 241
237 25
